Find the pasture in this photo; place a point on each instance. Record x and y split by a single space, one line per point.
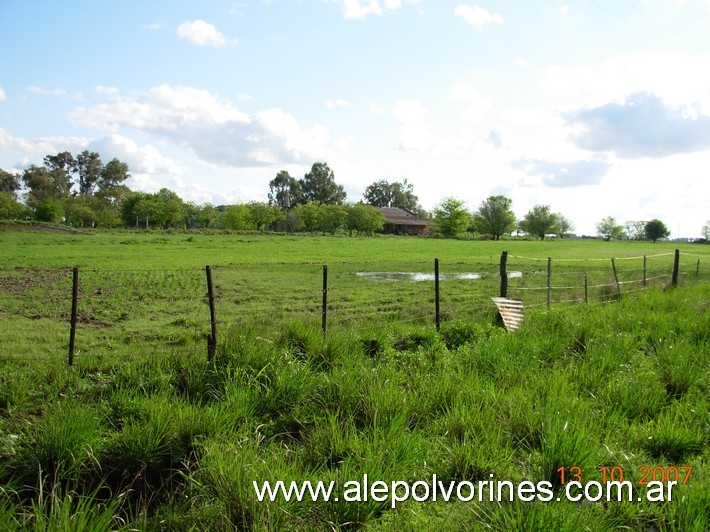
143 433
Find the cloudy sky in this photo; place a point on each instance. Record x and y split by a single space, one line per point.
595 107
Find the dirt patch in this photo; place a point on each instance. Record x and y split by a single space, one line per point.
24 281
39 228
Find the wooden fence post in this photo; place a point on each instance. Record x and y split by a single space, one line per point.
437 293
644 270
504 274
74 305
676 264
697 269
549 282
324 317
586 288
212 339
616 277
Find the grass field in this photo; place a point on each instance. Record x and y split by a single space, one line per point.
143 433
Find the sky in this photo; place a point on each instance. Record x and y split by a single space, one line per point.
594 107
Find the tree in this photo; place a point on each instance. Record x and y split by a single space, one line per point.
263 214
11 209
237 217
609 229
9 183
384 194
656 229
364 218
451 218
319 185
61 167
111 179
495 217
635 230
284 191
308 214
540 221
332 217
49 210
89 167
706 230
564 226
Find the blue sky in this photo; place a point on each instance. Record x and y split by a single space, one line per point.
595 107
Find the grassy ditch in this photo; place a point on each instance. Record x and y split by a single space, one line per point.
172 443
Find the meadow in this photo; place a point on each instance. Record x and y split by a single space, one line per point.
143 433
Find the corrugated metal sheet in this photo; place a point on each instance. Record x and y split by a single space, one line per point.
511 310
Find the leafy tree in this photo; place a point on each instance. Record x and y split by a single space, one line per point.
9 183
705 231
384 194
540 221
564 226
41 185
494 217
62 168
262 214
238 218
319 185
11 209
332 217
171 208
634 229
284 191
89 167
293 221
110 183
49 210
609 229
207 215
451 218
81 211
656 229
364 218
309 215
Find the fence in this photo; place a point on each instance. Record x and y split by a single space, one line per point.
118 313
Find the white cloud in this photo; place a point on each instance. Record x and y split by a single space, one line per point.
522 63
3 96
57 91
210 126
360 8
333 104
142 159
477 16
102 89
202 33
415 134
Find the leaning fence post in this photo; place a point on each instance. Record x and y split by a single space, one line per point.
586 288
549 282
74 305
676 262
324 318
437 293
697 269
504 274
616 277
644 270
212 339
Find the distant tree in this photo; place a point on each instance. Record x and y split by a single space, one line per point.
451 218
319 185
9 183
635 229
81 211
332 217
308 214
49 210
494 217
364 218
238 218
263 214
89 167
11 209
540 221
207 215
62 168
111 180
609 229
384 194
41 185
705 231
284 191
656 229
564 226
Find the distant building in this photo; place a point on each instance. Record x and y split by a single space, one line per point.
403 222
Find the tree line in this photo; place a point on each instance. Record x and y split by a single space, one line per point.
81 191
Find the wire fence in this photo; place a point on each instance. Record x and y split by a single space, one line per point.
119 313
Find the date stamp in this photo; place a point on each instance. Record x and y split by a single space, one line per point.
676 474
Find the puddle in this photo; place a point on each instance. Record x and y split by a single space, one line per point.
414 277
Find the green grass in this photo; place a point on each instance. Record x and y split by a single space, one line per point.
143 433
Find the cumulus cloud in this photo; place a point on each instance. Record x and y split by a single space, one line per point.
642 126
211 127
202 33
415 134
3 96
143 159
477 16
102 89
565 174
357 9
334 104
